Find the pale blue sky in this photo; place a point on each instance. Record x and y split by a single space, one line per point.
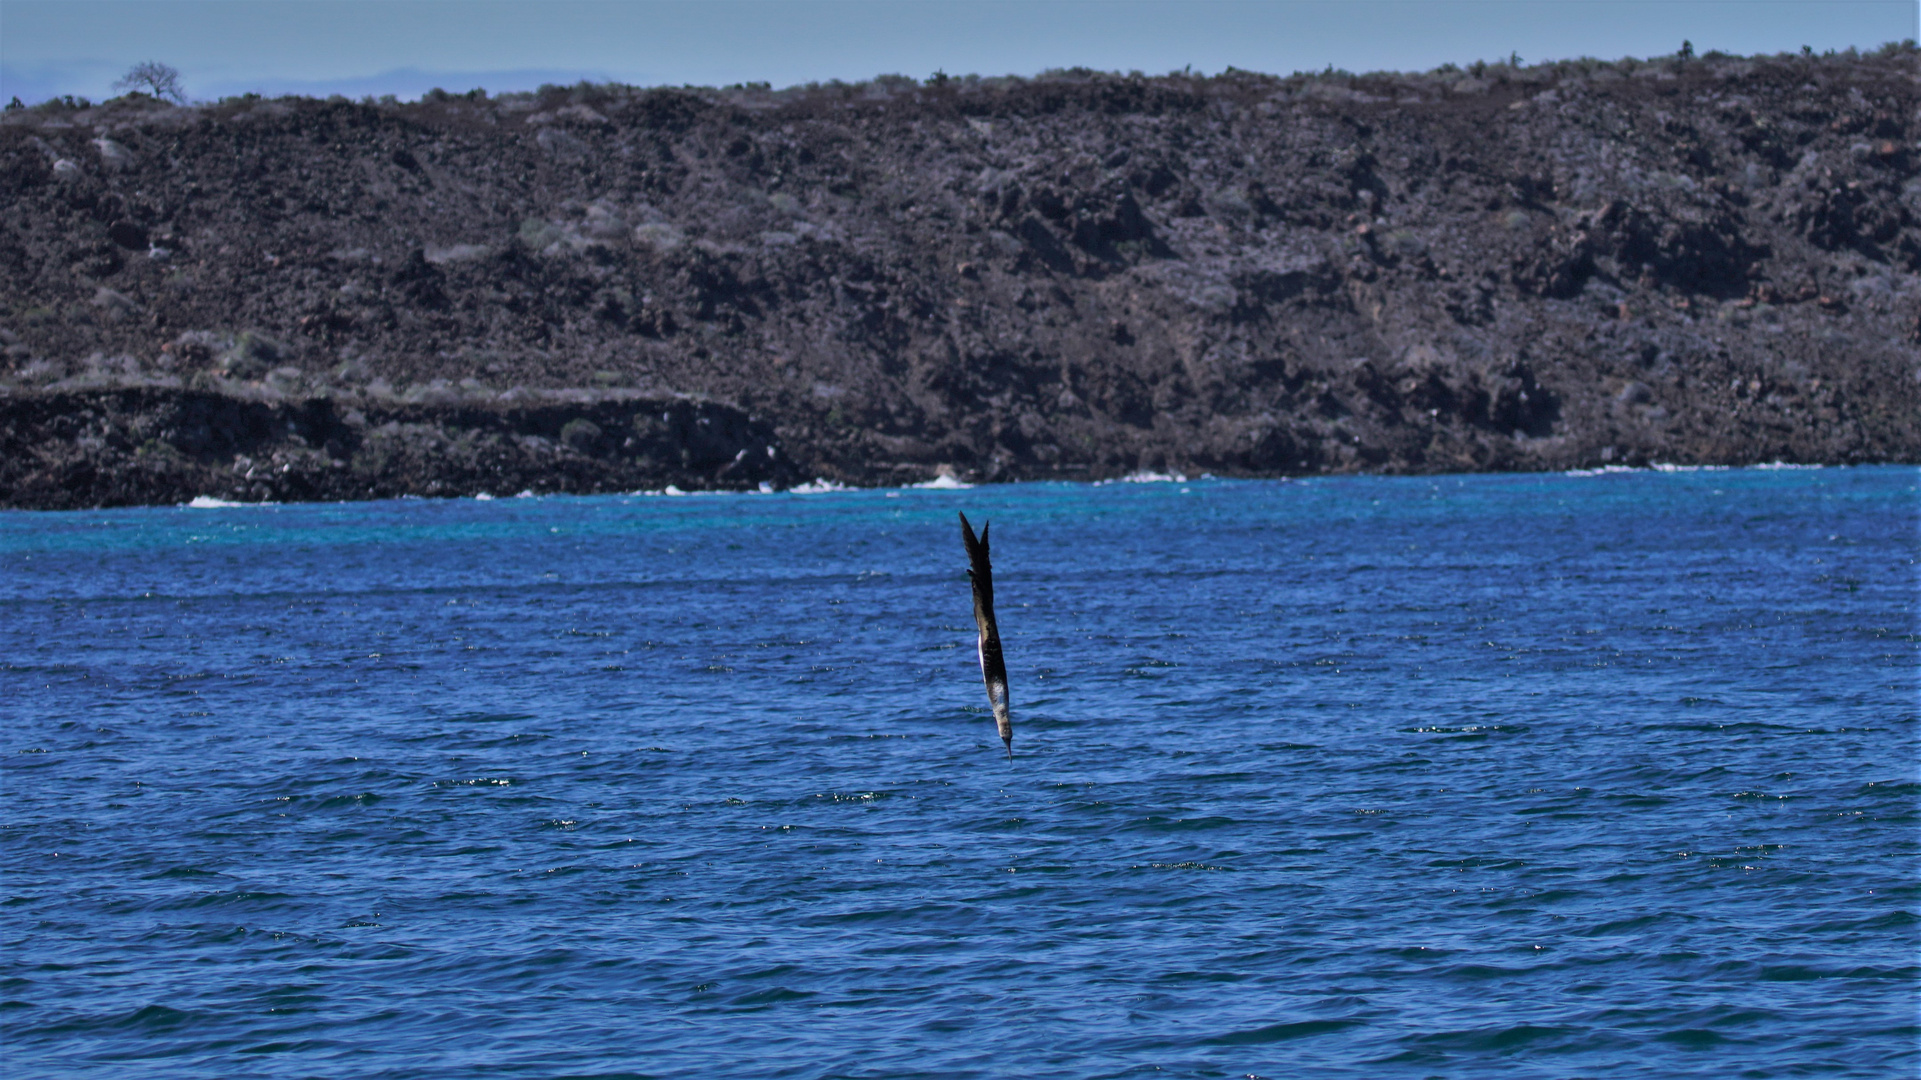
358 47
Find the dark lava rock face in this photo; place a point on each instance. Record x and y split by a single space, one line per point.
72 449
599 288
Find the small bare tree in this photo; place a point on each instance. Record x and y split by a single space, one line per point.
155 78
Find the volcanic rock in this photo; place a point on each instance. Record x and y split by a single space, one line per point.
1691 259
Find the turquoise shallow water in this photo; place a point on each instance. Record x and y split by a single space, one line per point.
1529 776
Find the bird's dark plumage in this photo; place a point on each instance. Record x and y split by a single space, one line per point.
993 667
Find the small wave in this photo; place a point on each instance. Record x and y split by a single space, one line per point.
1146 477
778 995
1694 1038
1479 731
182 872
483 497
1663 467
153 1018
818 486
943 482
224 897
1273 1033
1779 465
1162 823
208 502
765 488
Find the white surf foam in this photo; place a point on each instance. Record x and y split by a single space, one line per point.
943 482
819 485
1146 477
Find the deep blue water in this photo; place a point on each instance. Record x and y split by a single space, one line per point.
1518 776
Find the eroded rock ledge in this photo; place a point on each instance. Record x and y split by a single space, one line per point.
115 447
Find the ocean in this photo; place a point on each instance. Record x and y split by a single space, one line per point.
1585 775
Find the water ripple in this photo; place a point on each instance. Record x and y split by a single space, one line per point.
1471 776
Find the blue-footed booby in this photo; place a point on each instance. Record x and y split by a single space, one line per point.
993 668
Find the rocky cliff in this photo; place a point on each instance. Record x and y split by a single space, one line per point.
1692 260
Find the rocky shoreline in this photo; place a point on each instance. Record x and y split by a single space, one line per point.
158 444
1710 260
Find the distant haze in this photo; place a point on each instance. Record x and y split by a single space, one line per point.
319 47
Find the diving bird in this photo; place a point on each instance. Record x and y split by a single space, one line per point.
993 668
